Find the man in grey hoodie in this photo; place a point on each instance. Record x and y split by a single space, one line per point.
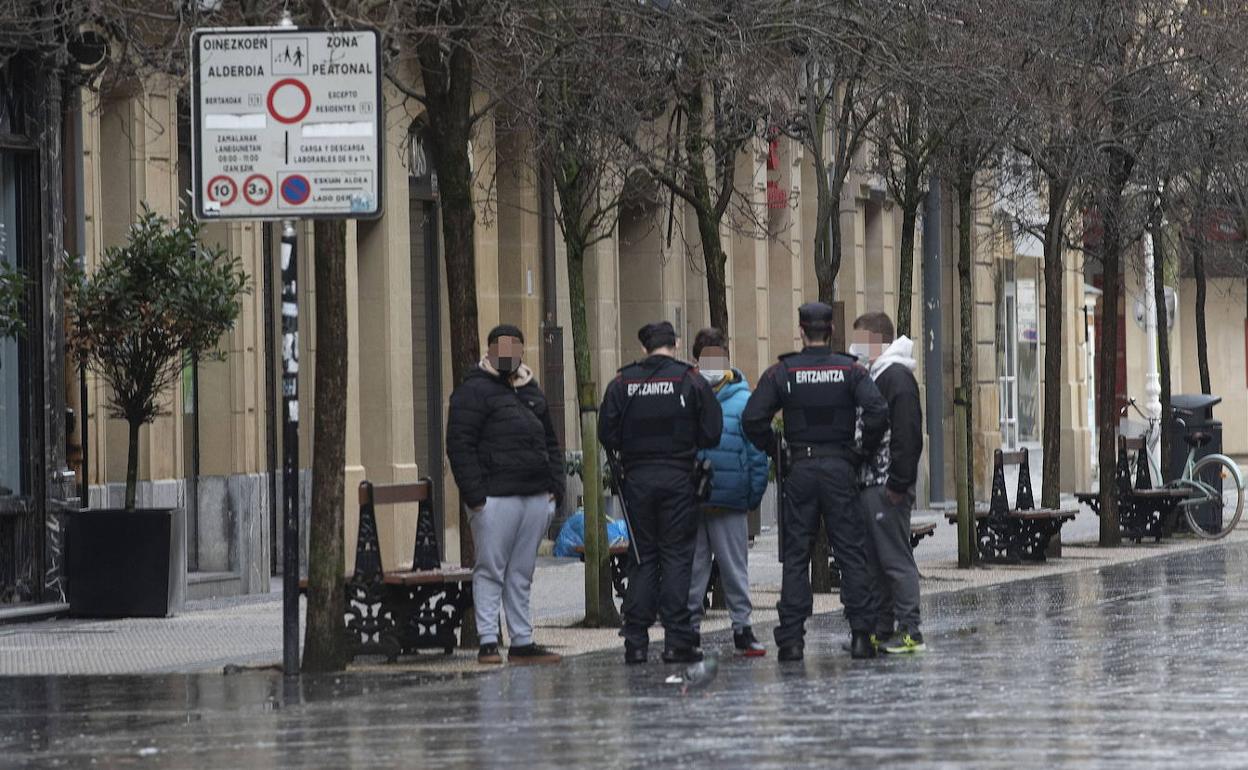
888 485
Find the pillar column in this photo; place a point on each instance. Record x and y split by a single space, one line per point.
384 376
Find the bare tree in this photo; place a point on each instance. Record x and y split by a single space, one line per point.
1052 100
711 62
582 110
839 87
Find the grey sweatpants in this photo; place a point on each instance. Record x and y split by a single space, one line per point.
724 535
890 562
506 533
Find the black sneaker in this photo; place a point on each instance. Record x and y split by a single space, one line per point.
904 644
747 644
488 655
531 655
635 655
682 655
790 653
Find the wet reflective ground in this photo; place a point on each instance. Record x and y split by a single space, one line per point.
1137 665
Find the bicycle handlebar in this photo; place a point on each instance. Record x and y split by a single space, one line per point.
1174 410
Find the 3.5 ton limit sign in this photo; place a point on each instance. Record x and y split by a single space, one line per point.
287 123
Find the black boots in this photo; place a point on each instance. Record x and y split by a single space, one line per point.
790 653
860 645
682 655
634 655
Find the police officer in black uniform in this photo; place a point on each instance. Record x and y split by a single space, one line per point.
657 414
820 392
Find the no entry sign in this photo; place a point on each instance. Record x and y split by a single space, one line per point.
287 123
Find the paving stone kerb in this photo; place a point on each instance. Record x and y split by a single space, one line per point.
247 631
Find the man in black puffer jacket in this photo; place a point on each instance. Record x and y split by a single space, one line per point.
509 468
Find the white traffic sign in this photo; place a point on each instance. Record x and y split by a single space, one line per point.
287 123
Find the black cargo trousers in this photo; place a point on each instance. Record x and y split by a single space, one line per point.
823 486
663 515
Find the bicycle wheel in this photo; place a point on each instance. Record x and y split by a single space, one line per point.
1222 486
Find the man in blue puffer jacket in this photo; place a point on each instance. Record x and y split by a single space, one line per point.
737 488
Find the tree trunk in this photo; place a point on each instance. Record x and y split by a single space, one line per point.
132 462
325 642
1054 310
448 82
716 269
1163 342
1202 283
905 267
1202 331
1107 352
832 259
966 307
600 611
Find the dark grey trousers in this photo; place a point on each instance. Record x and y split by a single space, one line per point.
890 562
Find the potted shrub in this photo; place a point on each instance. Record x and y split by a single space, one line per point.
151 305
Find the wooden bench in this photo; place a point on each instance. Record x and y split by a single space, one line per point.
1011 535
1142 510
402 611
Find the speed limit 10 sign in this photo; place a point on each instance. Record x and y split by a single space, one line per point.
287 123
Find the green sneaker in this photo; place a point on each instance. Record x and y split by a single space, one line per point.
905 643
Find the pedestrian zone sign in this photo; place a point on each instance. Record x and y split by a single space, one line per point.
287 123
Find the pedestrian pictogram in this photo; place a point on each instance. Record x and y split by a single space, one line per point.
296 189
257 189
289 101
290 56
222 190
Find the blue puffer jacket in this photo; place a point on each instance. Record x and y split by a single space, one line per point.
740 467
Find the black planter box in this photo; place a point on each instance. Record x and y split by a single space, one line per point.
121 563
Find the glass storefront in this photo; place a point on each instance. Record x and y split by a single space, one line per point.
12 415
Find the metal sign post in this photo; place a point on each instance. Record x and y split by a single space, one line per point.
290 449
287 125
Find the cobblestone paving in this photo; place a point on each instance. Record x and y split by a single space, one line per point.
1126 666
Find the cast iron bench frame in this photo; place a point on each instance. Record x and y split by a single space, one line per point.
1006 535
398 612
1143 511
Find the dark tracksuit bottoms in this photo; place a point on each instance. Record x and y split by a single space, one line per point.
662 513
821 487
890 562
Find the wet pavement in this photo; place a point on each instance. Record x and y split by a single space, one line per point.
1134 665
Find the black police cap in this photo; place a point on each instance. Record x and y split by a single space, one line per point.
815 315
657 335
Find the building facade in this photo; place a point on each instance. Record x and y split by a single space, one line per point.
217 450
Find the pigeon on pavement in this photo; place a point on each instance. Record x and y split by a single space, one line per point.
697 675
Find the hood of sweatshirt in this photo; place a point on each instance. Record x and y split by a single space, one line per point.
518 379
900 352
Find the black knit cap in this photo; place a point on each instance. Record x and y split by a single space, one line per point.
657 335
504 330
815 315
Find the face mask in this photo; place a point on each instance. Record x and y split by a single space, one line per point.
506 364
714 376
861 351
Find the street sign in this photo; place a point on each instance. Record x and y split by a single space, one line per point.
287 123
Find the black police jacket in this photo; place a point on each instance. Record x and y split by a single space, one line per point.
500 440
659 409
820 392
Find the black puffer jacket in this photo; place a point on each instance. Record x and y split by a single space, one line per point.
500 440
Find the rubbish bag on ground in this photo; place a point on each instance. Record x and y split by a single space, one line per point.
572 534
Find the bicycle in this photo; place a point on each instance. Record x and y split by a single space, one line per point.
1213 480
